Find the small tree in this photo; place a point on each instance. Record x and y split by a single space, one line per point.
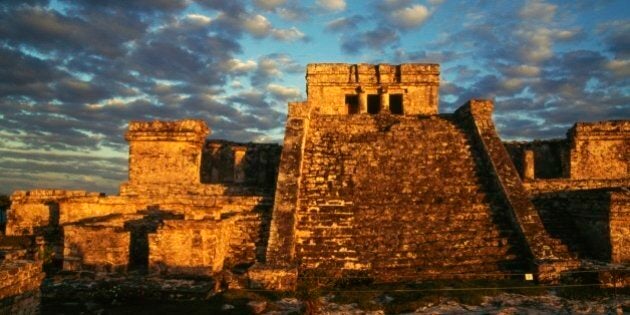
5 202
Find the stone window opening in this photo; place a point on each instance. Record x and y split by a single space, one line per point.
373 104
396 104
352 103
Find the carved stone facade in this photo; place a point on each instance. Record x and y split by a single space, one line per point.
370 181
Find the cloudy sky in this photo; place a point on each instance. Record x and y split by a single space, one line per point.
72 73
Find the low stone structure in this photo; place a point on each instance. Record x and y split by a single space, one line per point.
20 275
370 181
580 187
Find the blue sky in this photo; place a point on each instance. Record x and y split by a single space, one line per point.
73 73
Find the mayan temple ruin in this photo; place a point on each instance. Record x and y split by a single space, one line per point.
370 181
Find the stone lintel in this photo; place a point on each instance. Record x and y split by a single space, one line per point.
612 127
343 73
188 130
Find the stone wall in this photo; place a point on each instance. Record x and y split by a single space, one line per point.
190 247
620 226
165 152
19 286
21 275
33 211
594 222
600 150
223 162
329 84
97 247
551 157
566 184
580 218
248 238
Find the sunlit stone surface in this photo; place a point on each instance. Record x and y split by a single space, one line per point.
370 181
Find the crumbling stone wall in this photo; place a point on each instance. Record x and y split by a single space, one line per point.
248 238
103 248
551 157
594 222
19 286
620 226
579 217
32 212
21 275
600 150
259 163
189 247
165 152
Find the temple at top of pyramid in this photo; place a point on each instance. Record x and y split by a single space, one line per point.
406 89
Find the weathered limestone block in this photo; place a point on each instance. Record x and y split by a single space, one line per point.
620 226
19 286
272 278
191 248
32 211
100 247
600 150
248 240
541 186
76 209
165 152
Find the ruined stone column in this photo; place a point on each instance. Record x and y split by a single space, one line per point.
528 164
384 100
362 102
239 165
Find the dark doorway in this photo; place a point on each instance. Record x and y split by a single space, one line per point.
396 104
352 103
373 104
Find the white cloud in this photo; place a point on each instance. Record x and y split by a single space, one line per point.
239 67
269 67
236 84
287 35
332 5
269 4
198 19
257 25
282 92
524 71
537 43
410 17
619 67
538 10
512 84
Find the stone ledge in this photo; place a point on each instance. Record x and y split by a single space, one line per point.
272 277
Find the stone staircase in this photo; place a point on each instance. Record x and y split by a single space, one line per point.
397 197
